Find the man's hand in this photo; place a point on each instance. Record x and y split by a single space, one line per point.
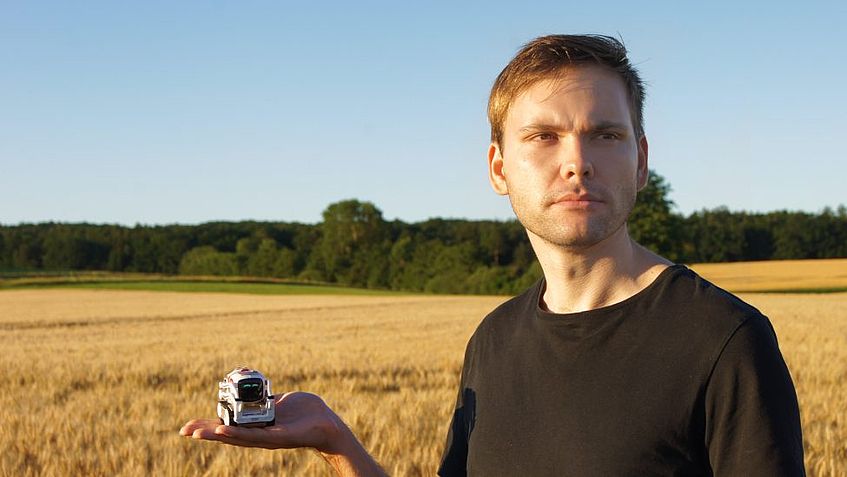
302 420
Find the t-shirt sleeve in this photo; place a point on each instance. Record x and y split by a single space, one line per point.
455 456
752 415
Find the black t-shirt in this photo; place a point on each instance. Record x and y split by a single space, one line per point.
682 378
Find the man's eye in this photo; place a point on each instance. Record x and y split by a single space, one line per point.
544 137
608 136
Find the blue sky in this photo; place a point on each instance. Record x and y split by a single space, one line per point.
161 112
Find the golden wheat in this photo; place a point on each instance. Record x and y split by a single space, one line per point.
105 391
776 274
98 382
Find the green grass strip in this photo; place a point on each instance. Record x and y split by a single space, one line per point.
214 287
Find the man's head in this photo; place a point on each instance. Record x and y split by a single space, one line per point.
567 145
547 57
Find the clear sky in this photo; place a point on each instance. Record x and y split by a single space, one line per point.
190 111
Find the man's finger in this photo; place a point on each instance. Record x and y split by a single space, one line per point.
211 435
244 433
194 424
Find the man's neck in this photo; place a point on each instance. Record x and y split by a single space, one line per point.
593 277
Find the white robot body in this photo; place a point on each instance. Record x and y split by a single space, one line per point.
245 399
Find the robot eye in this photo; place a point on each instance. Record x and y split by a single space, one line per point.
250 389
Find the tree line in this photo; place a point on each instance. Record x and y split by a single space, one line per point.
354 245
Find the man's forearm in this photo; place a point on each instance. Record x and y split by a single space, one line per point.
351 459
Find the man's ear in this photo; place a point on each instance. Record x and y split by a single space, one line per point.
643 170
496 175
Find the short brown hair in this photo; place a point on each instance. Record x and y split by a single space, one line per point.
546 57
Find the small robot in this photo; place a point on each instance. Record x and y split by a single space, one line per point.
245 399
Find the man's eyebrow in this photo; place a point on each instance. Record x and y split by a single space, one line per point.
604 125
540 127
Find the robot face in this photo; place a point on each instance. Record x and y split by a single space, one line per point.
251 389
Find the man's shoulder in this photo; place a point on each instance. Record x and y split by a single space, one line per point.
702 298
687 308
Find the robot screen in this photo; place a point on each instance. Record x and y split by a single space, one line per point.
250 389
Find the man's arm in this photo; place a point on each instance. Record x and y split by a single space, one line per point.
302 420
752 415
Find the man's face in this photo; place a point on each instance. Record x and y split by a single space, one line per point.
570 160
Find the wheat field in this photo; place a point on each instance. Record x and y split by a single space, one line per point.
98 382
772 275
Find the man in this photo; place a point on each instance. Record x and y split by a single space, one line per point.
617 362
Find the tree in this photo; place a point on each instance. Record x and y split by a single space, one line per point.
263 261
285 265
716 235
4 262
795 237
143 256
490 281
412 261
530 276
492 241
371 266
65 247
120 253
169 244
399 259
349 227
206 260
652 222
451 269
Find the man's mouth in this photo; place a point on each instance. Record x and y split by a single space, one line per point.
577 197
576 200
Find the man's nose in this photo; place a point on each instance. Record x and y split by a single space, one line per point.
575 161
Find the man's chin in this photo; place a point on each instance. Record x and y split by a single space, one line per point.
576 240
581 237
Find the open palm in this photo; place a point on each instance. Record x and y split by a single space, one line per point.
302 420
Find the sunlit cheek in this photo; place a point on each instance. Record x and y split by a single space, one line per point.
539 157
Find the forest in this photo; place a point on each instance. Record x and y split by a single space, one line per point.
354 245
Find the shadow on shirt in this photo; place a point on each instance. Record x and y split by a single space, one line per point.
461 427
